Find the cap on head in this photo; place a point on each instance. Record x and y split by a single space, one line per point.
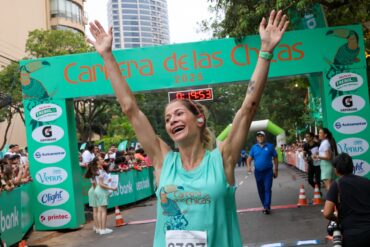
262 133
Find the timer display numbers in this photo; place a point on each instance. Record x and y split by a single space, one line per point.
193 94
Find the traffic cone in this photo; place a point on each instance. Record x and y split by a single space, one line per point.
316 196
119 218
302 200
22 243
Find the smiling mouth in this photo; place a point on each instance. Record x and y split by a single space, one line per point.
177 129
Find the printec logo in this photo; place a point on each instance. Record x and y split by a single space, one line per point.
46 112
55 218
48 134
353 146
350 124
346 81
360 167
9 221
49 154
53 197
348 103
51 176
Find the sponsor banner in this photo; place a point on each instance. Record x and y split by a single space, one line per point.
55 218
48 134
10 216
360 167
49 154
348 103
350 124
353 146
51 176
53 197
346 81
46 112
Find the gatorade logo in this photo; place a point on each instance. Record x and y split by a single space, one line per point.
46 112
9 221
46 131
348 103
55 218
48 134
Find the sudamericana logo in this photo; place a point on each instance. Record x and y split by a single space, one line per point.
46 112
49 154
360 167
55 218
48 134
350 124
51 176
53 197
353 146
348 103
346 81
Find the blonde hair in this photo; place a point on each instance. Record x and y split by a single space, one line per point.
207 137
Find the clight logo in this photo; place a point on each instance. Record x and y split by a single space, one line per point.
348 103
48 134
53 197
9 221
51 176
46 112
353 146
360 167
49 154
346 81
55 218
350 124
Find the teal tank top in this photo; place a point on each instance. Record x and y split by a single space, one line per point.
197 200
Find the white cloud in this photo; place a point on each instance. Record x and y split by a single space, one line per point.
183 17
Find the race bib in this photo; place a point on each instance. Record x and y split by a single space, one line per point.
182 238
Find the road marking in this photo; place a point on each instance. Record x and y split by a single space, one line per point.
260 209
241 183
139 222
245 177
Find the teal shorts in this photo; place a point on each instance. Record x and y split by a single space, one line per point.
327 170
92 200
101 196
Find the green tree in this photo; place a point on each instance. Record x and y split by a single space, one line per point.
10 87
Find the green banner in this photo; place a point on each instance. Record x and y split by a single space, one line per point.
53 156
132 186
26 207
10 216
174 66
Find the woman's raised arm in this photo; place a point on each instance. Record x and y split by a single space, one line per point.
271 33
153 145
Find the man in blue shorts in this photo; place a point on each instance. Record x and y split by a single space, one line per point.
263 154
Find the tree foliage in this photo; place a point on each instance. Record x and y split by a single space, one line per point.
41 43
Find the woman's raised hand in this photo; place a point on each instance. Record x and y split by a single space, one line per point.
103 40
272 31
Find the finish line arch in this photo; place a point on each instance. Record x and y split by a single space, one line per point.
257 126
335 55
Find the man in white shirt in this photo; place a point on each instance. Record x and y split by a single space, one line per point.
87 155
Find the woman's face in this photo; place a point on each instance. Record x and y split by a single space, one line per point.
322 135
100 162
180 122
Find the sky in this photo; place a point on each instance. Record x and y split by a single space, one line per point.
183 17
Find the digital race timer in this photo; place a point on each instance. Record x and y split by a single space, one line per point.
193 94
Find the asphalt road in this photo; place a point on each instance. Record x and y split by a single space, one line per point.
287 225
